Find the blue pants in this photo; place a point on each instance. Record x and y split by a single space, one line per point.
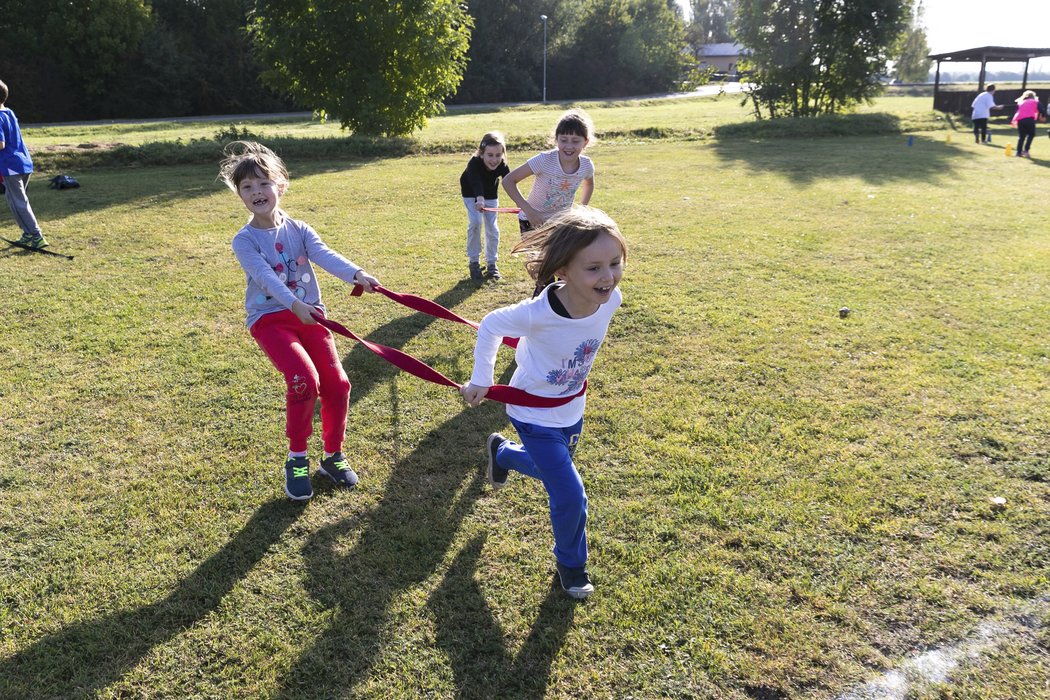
475 219
546 454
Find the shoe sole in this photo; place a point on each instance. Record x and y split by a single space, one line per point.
579 593
298 498
337 481
492 460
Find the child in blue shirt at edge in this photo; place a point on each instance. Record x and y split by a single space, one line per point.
278 254
560 331
16 166
479 185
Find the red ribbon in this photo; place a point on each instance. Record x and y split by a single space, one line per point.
404 361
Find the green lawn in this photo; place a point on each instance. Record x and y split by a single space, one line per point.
696 115
784 503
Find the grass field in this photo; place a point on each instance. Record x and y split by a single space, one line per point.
784 503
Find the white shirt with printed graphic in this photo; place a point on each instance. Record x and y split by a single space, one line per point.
554 189
554 355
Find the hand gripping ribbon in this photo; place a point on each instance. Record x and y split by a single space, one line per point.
404 361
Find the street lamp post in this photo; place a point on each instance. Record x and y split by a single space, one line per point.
544 18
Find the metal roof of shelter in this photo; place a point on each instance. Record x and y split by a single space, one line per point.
987 54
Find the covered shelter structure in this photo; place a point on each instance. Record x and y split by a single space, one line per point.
959 101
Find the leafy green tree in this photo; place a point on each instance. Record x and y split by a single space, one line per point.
912 64
711 22
815 57
621 47
196 58
505 59
65 55
376 66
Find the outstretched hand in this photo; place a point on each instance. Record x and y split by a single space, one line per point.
367 281
473 394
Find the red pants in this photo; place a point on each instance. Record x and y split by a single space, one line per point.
306 356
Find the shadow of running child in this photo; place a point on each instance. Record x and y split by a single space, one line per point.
470 635
85 657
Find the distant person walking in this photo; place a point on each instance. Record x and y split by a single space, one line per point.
982 106
1028 110
16 166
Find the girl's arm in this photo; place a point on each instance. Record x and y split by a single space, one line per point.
510 321
472 394
477 187
510 186
586 190
332 262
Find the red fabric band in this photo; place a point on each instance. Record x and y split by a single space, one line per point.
404 361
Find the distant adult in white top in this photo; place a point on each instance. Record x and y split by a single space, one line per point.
982 106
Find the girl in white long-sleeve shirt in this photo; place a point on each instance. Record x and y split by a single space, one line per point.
560 331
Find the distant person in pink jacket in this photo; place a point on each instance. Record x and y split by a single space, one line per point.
1028 110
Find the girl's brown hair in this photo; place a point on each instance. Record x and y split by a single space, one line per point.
250 159
493 138
575 122
553 245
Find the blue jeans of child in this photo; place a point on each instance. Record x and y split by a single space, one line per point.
475 220
546 454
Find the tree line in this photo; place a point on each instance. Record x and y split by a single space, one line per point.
384 68
108 59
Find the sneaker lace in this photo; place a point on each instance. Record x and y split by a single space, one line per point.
299 472
341 465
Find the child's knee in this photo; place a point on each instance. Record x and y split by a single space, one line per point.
336 387
570 498
302 386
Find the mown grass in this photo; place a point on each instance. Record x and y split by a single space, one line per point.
784 502
76 147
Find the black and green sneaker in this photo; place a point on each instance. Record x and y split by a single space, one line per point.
297 479
497 475
30 240
338 470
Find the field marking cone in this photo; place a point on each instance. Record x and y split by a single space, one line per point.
1009 150
948 137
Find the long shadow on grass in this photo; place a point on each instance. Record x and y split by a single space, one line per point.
399 545
875 159
103 189
473 641
85 657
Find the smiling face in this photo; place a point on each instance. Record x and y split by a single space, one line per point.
492 156
570 146
261 196
591 276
